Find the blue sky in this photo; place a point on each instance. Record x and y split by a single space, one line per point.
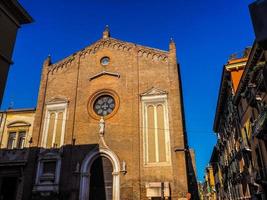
206 33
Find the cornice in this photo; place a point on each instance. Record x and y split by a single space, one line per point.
107 43
154 91
155 55
62 64
254 57
142 51
15 12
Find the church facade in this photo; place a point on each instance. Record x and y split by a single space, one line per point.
109 125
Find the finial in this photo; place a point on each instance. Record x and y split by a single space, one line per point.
172 44
106 33
48 61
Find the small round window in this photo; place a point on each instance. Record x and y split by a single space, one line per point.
104 105
105 61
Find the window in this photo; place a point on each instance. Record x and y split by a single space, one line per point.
156 129
11 140
54 128
48 171
18 134
105 61
16 139
104 105
21 139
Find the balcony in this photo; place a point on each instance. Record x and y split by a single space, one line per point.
260 125
13 156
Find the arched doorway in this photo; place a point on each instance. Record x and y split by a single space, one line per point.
104 158
101 179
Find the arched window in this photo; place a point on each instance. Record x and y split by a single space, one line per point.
54 125
155 129
18 132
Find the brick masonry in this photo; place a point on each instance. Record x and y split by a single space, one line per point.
140 68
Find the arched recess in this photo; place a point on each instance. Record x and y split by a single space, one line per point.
85 172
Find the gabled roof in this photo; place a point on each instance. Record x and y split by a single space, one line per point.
112 43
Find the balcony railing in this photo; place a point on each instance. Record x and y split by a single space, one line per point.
13 156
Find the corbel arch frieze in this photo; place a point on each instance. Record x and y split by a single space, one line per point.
152 54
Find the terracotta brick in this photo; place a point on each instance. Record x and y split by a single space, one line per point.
140 68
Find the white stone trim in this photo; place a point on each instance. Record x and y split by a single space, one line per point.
56 108
85 172
46 158
155 100
156 132
154 189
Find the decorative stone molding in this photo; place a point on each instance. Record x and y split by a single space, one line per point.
18 123
57 100
153 54
62 64
115 74
158 189
154 91
18 156
51 183
86 166
55 106
107 43
153 98
97 94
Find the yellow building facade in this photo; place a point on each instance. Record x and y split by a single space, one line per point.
209 185
16 128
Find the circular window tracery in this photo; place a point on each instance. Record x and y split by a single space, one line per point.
103 103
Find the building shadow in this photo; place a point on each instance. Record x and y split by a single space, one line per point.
39 173
192 176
